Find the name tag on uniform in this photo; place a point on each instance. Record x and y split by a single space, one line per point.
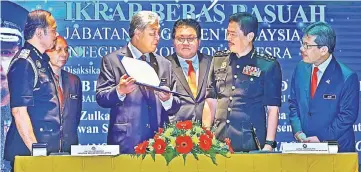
72 96
329 96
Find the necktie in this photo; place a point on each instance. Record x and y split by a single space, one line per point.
314 81
192 80
59 90
144 58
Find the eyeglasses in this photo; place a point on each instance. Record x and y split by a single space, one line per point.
306 46
189 40
232 35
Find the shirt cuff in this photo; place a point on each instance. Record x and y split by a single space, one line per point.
120 96
168 103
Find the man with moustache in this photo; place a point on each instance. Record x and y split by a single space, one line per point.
191 69
34 103
69 92
242 85
11 40
136 111
324 99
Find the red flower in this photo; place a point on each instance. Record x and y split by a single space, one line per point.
228 143
141 148
205 142
209 134
184 144
159 146
186 125
160 130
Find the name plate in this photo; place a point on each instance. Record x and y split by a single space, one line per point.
306 148
94 150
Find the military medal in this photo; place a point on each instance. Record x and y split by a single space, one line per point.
251 71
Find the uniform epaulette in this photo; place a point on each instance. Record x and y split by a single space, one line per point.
265 56
24 53
222 53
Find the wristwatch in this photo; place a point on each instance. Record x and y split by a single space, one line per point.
273 144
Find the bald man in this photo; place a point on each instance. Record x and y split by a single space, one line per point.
68 88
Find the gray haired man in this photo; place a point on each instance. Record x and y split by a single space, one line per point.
136 112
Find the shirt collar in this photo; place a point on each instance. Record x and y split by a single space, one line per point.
136 53
193 59
322 67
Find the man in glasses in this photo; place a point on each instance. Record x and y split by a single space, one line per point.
244 89
34 103
69 92
191 69
324 99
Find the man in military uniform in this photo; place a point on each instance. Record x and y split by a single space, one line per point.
242 85
34 102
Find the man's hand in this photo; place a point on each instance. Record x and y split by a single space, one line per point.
126 85
313 139
267 148
163 96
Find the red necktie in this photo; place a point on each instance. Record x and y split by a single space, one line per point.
192 80
314 81
60 92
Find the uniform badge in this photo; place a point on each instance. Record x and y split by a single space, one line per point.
42 70
328 81
224 64
38 64
24 53
252 71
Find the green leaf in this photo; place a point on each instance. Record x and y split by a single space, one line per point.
195 155
169 155
184 158
153 156
213 157
143 156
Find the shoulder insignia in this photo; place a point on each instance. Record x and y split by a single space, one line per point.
24 53
265 56
222 53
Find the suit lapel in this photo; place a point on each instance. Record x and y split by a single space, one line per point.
326 78
307 81
65 89
203 63
180 75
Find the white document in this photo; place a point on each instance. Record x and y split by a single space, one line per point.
141 71
305 148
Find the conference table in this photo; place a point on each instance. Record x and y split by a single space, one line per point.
274 162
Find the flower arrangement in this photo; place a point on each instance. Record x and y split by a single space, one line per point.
181 139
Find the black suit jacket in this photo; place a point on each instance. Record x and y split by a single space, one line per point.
71 112
191 107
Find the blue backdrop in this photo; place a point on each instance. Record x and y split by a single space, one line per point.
96 28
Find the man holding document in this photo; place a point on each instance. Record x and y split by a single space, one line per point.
136 111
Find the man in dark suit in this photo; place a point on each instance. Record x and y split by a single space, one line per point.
69 92
136 112
324 100
190 68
